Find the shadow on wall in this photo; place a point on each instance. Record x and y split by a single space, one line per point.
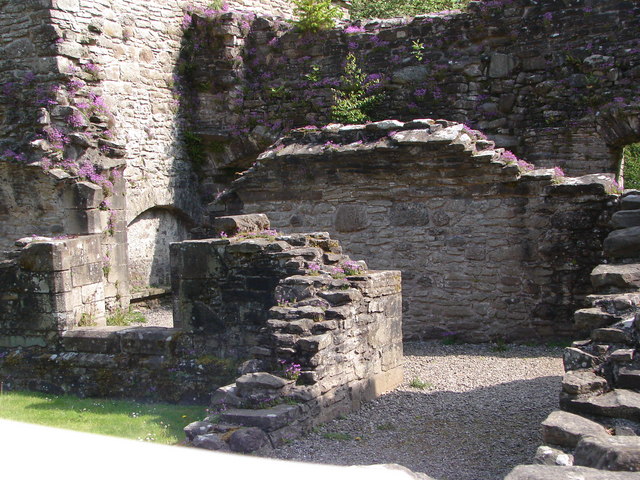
149 236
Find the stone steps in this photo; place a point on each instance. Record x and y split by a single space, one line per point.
586 319
630 202
266 419
628 378
619 403
624 243
614 302
547 472
618 277
625 219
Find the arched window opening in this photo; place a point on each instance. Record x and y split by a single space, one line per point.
630 166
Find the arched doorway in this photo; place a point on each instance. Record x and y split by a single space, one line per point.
149 236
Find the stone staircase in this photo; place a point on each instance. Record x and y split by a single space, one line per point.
332 341
599 426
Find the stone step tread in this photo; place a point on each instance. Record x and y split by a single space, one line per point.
548 472
628 377
586 319
622 243
625 219
630 202
626 276
567 429
618 403
268 419
595 300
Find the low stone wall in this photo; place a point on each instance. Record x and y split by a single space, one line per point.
52 286
489 247
256 297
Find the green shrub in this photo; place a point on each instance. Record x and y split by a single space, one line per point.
354 99
400 8
315 15
631 156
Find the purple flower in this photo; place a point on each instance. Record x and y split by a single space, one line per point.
557 172
28 78
525 166
186 21
420 92
56 138
353 45
509 156
354 29
75 84
8 88
76 120
92 68
314 267
547 16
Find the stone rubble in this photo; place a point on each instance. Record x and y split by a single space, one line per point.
601 386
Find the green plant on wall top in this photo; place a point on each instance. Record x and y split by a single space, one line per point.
314 16
400 8
355 98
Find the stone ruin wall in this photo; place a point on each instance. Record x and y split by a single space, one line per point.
134 47
251 297
488 250
510 79
552 81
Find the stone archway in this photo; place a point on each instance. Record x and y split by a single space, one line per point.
619 127
149 236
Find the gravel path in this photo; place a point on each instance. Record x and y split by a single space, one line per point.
477 418
160 315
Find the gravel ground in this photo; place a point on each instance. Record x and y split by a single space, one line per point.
477 417
159 315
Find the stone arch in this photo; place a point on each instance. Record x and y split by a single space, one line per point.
618 128
149 235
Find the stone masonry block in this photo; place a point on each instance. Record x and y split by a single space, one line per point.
48 282
44 256
82 196
87 274
233 225
83 250
92 293
82 222
196 259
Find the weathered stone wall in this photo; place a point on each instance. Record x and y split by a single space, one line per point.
489 248
153 231
552 81
234 301
52 286
52 203
27 58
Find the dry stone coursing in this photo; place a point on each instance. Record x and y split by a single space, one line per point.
259 295
553 81
335 330
489 249
601 385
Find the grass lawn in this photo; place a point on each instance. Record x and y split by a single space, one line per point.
151 422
